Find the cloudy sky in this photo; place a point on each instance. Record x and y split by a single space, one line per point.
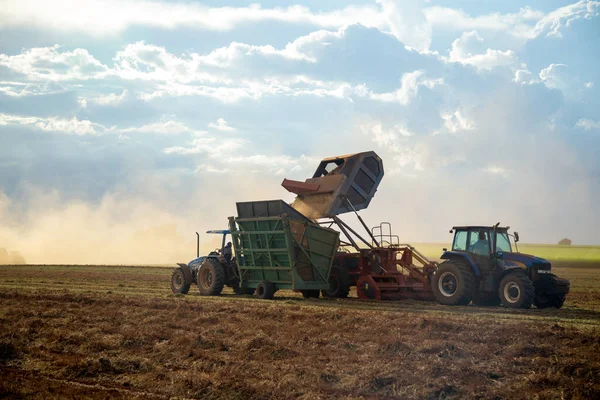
121 119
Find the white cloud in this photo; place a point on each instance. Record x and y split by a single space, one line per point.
526 24
587 124
50 64
469 50
457 121
564 16
397 141
109 100
76 126
559 76
496 170
523 77
407 22
221 125
409 88
21 89
71 126
209 145
165 127
112 17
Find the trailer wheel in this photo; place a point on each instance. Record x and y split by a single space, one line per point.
265 290
211 277
516 290
453 284
556 301
339 283
178 283
310 294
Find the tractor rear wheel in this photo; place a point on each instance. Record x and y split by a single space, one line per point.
339 283
178 283
516 290
265 290
555 300
211 277
310 294
453 283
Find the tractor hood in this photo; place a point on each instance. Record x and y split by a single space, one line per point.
196 262
525 260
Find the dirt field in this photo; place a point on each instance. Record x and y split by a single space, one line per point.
118 332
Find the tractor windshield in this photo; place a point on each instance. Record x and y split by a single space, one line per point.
503 242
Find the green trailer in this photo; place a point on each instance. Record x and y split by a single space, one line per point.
276 247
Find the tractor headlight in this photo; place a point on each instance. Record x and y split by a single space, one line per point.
544 271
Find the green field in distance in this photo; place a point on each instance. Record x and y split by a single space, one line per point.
552 252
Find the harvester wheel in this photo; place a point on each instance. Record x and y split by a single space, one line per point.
556 301
516 290
211 277
339 283
178 283
265 290
310 294
453 284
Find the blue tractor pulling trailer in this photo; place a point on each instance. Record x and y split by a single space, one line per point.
280 246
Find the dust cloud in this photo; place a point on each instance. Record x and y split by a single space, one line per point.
117 229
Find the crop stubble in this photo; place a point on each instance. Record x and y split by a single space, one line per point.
98 331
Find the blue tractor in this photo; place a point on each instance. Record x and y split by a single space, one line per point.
211 272
483 268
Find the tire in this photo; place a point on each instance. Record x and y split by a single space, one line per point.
555 300
211 277
310 294
265 290
516 290
339 283
178 283
453 284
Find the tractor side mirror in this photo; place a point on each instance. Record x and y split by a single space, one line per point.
516 237
445 249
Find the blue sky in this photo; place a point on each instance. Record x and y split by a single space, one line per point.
482 112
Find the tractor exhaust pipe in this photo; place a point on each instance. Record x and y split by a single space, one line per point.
197 245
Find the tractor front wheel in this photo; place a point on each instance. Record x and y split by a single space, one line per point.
453 284
516 290
211 277
178 283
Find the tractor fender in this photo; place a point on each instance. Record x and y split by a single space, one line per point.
454 255
187 272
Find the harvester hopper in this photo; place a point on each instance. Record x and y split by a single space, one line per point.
339 185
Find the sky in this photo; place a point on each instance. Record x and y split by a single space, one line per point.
126 126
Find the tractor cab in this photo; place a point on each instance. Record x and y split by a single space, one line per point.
482 267
482 244
225 250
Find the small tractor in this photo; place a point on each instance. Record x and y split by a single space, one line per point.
211 272
482 267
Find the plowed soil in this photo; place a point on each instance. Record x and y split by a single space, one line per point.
118 332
